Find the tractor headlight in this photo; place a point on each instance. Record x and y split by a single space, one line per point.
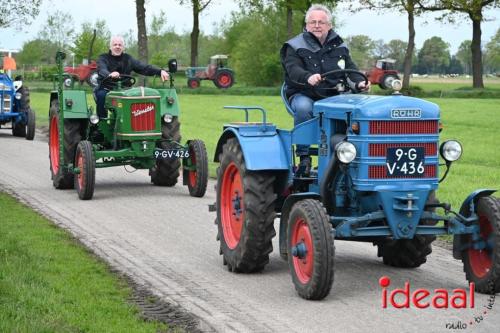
397 85
18 95
451 150
94 119
346 152
67 82
168 118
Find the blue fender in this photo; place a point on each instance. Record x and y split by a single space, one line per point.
469 206
262 147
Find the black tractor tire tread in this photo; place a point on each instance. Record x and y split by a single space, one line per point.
87 191
255 245
166 171
31 125
200 152
324 251
491 283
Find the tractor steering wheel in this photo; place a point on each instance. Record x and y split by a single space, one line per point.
342 79
129 80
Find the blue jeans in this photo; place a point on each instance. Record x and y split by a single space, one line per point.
100 98
302 106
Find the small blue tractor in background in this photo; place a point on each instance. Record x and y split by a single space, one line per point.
375 181
15 107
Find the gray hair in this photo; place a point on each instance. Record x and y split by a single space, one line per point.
117 37
323 8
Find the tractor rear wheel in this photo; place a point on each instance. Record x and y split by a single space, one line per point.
386 82
85 161
61 177
224 79
30 126
408 253
311 250
483 266
166 171
198 177
245 211
92 79
193 83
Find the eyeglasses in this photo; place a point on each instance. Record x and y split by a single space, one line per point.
314 23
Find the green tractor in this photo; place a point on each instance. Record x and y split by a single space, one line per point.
142 130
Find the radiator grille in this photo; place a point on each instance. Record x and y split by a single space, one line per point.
143 116
404 127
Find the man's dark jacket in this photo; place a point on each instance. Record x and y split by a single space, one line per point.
123 64
303 56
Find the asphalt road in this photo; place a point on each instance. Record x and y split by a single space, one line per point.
166 240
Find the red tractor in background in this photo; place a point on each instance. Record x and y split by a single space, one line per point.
84 73
216 71
383 73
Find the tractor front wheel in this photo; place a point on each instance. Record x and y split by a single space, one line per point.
311 250
224 79
85 179
92 79
386 82
197 176
193 83
482 266
245 211
30 126
166 171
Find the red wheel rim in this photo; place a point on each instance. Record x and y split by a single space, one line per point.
192 173
54 145
224 80
303 266
232 206
480 260
193 84
79 164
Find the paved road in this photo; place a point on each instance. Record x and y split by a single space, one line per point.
166 240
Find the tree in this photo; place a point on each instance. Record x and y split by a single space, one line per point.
58 29
361 48
37 51
142 37
434 57
17 13
474 10
198 7
455 66
492 54
396 49
464 55
84 38
156 31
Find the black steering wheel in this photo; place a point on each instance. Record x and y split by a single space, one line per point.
123 79
342 79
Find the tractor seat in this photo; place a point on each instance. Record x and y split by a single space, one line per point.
286 101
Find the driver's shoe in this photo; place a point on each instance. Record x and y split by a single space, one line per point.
304 168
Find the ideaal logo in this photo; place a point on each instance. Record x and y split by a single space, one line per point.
440 299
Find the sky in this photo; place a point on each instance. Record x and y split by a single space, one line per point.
120 18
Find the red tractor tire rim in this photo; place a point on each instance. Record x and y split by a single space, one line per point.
79 164
303 266
193 175
480 260
194 84
224 80
232 206
54 145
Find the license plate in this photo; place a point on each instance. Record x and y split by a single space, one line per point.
171 153
405 161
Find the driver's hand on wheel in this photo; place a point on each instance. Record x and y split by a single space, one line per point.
164 75
314 79
114 75
363 86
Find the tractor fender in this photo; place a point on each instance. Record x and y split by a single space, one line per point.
285 212
466 210
260 151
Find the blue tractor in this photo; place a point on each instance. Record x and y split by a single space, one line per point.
15 107
375 181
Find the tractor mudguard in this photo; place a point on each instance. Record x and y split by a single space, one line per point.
285 210
262 150
466 210
169 102
74 104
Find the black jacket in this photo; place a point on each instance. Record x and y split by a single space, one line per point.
303 56
123 64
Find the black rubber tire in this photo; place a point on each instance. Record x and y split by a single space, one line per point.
193 83
251 252
197 180
386 82
19 129
92 79
488 209
31 125
63 179
220 82
314 215
408 253
85 181
166 171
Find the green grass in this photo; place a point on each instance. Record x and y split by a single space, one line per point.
49 283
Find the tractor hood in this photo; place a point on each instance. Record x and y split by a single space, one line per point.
136 92
376 107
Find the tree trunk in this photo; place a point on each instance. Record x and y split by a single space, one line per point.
289 21
195 33
477 59
410 47
142 37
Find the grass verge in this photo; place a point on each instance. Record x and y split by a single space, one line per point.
49 283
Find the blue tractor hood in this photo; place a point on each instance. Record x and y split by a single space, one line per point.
375 107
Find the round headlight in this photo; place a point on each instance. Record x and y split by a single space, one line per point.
168 118
451 150
19 95
346 152
67 82
94 119
397 85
